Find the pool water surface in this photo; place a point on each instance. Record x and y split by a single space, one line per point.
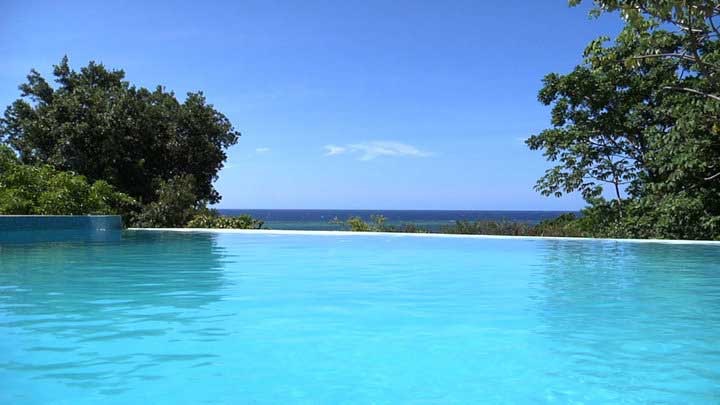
171 317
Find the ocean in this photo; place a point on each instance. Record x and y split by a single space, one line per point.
314 220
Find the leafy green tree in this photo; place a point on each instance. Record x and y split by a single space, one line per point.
42 190
604 119
96 124
640 115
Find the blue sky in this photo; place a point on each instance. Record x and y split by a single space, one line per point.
342 104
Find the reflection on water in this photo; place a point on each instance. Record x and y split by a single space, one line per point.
58 235
251 318
632 317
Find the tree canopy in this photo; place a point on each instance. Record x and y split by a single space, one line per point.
95 123
640 115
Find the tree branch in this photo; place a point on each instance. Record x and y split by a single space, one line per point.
714 176
666 55
693 91
713 26
695 59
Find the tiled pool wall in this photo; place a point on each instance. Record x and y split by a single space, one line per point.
60 228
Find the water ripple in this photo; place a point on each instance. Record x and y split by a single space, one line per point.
227 318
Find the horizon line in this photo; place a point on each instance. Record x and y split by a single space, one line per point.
395 209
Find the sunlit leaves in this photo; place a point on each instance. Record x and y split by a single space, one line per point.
42 190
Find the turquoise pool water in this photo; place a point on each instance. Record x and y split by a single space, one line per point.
167 318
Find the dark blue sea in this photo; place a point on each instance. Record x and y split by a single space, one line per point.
312 220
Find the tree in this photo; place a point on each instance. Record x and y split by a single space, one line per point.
98 125
640 115
604 119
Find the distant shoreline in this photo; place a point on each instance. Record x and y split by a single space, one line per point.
432 220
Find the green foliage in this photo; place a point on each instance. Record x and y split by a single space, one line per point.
357 224
211 219
487 228
42 190
175 206
674 216
568 225
94 123
376 224
640 115
564 225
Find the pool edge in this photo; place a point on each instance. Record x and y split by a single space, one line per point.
425 235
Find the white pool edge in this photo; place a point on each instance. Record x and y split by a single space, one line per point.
425 235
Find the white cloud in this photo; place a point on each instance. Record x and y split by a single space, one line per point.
262 150
334 150
374 149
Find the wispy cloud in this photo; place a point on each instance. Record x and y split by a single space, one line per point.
331 150
262 150
374 149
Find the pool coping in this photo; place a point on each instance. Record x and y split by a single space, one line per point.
425 235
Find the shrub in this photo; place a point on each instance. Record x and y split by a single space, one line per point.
42 190
488 228
376 224
175 205
564 225
211 219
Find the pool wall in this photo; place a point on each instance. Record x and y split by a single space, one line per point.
59 228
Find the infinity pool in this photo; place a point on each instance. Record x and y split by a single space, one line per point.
170 317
